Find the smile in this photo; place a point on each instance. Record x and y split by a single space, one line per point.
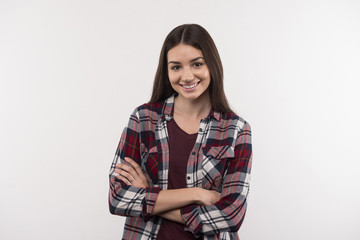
190 86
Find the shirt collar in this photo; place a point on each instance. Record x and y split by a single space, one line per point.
169 109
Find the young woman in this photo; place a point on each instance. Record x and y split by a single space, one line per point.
182 166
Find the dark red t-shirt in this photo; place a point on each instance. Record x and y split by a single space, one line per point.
180 146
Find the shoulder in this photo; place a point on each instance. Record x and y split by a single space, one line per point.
149 110
235 129
233 120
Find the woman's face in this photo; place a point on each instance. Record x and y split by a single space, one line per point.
188 73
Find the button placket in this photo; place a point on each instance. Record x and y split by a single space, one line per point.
194 174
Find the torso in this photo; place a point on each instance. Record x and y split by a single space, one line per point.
180 146
210 147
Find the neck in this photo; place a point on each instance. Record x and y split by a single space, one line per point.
193 109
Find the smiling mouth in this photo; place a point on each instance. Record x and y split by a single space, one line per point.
190 86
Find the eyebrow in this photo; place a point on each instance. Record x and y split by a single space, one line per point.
193 60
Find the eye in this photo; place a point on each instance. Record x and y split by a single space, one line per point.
175 67
198 64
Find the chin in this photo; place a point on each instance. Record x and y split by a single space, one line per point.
192 96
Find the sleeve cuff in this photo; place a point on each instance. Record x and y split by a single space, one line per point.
149 202
190 215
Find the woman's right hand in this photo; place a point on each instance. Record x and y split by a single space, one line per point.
207 197
131 174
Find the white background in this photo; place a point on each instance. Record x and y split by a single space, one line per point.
72 72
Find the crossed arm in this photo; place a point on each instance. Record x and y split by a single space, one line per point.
168 202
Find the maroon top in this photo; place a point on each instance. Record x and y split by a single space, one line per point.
180 146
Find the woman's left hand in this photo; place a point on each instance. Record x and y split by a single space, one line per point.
131 174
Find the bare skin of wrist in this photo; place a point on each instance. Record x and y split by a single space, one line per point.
201 196
173 199
173 215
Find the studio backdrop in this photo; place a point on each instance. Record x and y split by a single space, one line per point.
71 73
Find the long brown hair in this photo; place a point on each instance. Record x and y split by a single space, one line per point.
196 36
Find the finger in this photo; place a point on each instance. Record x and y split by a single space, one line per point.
129 169
118 165
126 174
126 181
134 165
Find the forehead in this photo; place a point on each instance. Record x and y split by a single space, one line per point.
183 52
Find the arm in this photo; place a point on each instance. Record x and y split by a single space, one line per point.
174 199
228 213
173 215
168 202
127 200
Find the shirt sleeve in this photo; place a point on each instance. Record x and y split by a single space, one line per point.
228 213
126 200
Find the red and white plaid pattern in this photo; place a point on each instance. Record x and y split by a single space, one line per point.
220 160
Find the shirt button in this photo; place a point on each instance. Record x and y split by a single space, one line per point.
188 178
193 153
200 129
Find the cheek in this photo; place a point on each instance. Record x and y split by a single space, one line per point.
206 75
172 77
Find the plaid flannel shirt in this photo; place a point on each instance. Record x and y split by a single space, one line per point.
220 160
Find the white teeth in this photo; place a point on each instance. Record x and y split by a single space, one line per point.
191 86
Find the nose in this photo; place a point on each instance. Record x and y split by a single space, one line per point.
187 75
